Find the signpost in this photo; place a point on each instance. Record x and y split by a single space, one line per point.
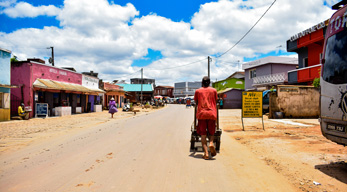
41 109
252 105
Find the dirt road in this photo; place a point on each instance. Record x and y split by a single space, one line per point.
150 152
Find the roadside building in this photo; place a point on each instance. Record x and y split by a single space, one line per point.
165 91
308 44
5 84
236 80
37 83
94 97
186 89
142 81
115 91
134 92
232 98
270 71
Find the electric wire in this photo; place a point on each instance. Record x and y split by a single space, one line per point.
178 66
247 31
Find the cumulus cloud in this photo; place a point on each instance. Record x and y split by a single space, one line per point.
23 9
107 38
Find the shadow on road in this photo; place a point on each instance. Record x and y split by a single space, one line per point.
199 156
337 170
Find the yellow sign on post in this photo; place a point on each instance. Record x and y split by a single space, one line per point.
252 105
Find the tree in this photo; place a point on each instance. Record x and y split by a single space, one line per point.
14 59
316 82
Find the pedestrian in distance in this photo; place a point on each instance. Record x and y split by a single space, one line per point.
221 103
206 103
112 108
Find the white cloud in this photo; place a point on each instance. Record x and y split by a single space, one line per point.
106 38
23 9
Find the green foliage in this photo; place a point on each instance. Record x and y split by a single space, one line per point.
316 82
14 59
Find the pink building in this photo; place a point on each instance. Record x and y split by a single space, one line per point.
40 83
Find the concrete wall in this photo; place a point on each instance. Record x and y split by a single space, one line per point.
90 81
233 99
295 102
5 67
53 73
5 79
20 76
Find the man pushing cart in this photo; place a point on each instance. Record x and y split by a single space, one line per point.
206 113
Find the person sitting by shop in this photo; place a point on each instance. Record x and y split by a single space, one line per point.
22 113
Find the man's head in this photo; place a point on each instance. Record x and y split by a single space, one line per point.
22 104
205 81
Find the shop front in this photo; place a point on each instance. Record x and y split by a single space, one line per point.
95 96
62 98
49 90
113 91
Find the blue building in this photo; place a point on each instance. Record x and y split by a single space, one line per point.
5 84
133 92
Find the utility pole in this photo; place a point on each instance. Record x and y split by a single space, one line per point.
208 67
141 83
51 60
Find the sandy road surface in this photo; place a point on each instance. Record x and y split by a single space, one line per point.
144 153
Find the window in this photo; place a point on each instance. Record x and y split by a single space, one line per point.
305 62
252 73
335 66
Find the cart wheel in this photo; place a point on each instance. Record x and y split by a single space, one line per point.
218 144
192 143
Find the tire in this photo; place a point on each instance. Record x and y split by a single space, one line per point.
218 145
192 144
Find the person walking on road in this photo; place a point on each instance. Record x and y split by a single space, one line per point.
206 102
112 107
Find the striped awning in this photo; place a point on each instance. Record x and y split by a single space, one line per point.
58 85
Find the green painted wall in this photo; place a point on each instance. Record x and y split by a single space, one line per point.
229 83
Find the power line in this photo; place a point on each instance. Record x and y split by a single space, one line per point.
179 65
247 31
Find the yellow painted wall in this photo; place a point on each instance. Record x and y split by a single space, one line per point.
5 114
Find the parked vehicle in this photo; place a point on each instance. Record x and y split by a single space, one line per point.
266 100
333 80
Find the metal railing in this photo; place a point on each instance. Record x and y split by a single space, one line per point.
271 79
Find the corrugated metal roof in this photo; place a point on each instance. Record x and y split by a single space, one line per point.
137 87
226 90
58 85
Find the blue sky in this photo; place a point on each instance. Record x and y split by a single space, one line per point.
169 39
176 10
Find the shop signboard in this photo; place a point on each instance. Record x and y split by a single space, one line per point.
41 109
252 105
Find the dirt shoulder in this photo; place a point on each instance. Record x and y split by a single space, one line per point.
17 134
295 148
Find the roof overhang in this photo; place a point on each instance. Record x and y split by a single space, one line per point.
8 86
69 87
